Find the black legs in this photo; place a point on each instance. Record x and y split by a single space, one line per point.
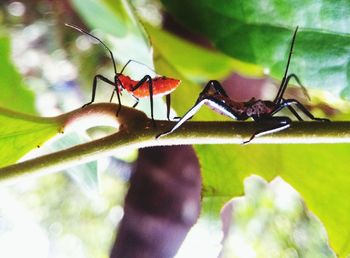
279 123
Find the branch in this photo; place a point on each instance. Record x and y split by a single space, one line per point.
136 131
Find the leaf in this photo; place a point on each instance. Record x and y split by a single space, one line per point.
224 167
194 62
15 94
260 32
271 218
21 133
310 169
324 184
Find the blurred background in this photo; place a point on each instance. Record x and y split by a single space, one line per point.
75 213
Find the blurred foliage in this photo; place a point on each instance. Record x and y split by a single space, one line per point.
115 20
76 225
85 175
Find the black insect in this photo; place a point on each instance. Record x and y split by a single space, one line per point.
215 96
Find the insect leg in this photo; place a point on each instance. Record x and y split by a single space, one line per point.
190 113
288 102
289 106
295 113
168 102
136 101
283 87
148 79
216 86
282 123
206 95
203 97
119 102
118 83
94 86
111 98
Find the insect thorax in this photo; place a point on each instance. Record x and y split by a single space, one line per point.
126 82
258 108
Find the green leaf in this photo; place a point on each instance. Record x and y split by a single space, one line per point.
260 33
194 62
310 169
21 133
14 93
170 63
269 220
323 182
224 167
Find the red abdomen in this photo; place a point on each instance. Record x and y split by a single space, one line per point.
161 86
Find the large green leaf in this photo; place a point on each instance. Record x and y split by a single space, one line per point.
318 172
260 32
14 93
21 133
224 168
194 62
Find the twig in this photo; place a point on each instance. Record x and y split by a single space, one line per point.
136 131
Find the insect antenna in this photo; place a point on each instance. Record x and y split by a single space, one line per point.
103 44
287 77
290 53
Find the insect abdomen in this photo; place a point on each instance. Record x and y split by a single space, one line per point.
161 86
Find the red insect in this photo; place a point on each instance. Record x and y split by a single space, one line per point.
146 87
161 86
